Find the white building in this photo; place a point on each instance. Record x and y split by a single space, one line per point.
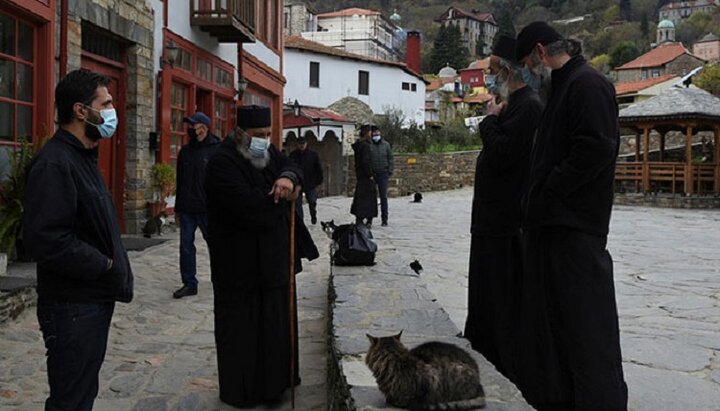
478 29
318 76
679 10
359 31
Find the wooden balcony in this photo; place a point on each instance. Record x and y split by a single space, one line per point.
230 21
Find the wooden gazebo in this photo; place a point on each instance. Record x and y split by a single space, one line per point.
687 110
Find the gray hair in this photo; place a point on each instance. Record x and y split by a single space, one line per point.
571 46
514 69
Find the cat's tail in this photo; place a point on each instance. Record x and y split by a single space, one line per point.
471 404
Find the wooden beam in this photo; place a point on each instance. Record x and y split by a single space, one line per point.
637 145
646 160
662 146
688 161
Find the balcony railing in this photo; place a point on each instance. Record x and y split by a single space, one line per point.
230 21
668 177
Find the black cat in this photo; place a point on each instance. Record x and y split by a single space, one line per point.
155 225
417 198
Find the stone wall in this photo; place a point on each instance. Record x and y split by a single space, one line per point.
667 201
133 22
426 172
12 303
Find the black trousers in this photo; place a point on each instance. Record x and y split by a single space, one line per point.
75 336
570 356
494 288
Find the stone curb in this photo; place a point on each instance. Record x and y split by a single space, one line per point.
382 300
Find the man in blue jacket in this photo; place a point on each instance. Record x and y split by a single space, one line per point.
190 204
71 229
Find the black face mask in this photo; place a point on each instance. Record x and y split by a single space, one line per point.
192 133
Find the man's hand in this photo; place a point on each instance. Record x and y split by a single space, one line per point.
294 196
282 189
494 108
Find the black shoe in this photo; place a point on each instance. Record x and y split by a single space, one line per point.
384 224
313 220
185 291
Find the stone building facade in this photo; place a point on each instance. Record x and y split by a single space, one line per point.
669 58
115 37
298 18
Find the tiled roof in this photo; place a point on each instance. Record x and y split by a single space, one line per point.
299 43
460 13
687 4
478 98
309 115
656 57
635 86
675 103
349 12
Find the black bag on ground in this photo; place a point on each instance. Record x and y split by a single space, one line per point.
353 245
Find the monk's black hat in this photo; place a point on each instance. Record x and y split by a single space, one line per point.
505 48
253 116
532 34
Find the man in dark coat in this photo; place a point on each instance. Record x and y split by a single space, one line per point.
364 204
71 229
494 278
309 163
572 358
383 167
251 190
190 204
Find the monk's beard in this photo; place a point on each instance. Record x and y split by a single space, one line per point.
242 148
503 91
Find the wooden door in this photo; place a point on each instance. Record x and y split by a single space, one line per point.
111 156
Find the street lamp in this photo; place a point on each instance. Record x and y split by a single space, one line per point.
296 109
171 53
241 86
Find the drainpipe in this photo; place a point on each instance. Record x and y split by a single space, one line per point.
63 37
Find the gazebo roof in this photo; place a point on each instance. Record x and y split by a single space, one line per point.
677 103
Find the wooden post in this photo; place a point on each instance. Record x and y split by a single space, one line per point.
646 160
716 158
688 161
637 145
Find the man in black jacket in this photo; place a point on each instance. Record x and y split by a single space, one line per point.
190 207
309 163
495 274
71 229
364 204
251 191
572 360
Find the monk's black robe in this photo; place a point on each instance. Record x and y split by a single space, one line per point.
249 239
495 272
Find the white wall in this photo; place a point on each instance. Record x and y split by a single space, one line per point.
339 79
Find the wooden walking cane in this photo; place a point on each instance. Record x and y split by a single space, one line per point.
292 304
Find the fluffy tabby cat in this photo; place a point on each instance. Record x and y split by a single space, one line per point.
431 376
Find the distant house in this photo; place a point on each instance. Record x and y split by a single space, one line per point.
667 58
319 75
360 31
478 29
635 91
448 95
679 10
474 74
708 48
298 18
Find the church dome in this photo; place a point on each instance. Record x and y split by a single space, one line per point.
395 18
447 71
666 24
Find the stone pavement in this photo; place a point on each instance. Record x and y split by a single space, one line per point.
161 354
161 351
667 278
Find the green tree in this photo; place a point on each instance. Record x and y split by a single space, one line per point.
448 48
601 63
622 53
693 28
709 79
645 26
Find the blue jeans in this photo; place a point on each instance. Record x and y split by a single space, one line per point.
311 197
75 337
189 222
381 179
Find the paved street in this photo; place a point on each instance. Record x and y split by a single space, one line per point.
667 277
161 353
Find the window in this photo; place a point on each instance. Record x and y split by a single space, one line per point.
363 82
16 79
406 86
656 73
184 60
204 69
178 110
222 107
223 78
314 74
413 87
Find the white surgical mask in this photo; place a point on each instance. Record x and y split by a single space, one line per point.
109 124
376 138
258 146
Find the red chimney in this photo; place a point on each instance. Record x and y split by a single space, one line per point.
412 52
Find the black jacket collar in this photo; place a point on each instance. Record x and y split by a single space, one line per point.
559 76
70 139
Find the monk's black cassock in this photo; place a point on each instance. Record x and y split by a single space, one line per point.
494 277
364 204
249 238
